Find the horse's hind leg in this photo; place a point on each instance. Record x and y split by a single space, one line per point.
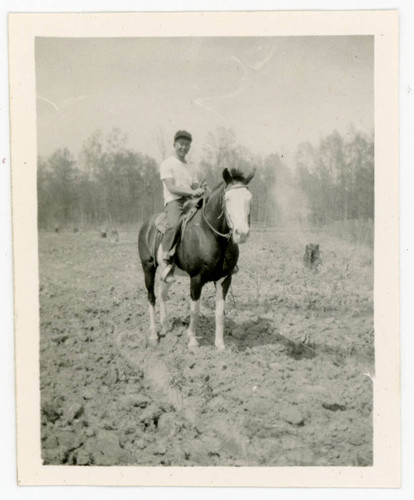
196 287
222 287
163 297
149 272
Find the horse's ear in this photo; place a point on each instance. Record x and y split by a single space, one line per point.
227 176
250 176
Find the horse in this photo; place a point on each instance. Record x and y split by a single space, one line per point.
207 251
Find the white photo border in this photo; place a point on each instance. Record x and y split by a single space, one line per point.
383 25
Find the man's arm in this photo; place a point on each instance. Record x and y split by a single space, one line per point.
181 190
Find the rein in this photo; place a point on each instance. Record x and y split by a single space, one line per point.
223 235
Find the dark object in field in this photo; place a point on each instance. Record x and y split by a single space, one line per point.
104 233
57 229
76 230
311 257
114 235
208 251
333 406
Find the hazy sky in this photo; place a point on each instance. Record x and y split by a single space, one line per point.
274 92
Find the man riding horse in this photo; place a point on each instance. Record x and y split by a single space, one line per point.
209 248
180 183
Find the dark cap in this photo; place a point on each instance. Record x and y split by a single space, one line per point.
183 134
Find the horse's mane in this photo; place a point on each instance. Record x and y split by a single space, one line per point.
218 187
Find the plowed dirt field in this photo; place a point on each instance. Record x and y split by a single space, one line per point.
109 399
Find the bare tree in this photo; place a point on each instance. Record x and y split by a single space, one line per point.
161 142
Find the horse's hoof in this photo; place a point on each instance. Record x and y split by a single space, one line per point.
166 328
153 342
220 347
193 345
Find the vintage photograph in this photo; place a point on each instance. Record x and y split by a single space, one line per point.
208 217
259 155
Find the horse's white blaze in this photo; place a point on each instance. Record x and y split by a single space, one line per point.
238 209
192 327
219 341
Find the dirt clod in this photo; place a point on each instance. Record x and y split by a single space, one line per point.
68 440
50 411
83 458
292 415
74 410
105 449
133 401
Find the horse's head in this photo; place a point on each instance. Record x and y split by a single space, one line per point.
237 198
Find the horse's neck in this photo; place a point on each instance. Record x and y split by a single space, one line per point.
214 210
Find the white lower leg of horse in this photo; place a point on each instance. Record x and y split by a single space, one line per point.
219 342
192 327
153 338
163 297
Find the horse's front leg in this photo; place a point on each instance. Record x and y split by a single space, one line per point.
153 337
195 290
222 287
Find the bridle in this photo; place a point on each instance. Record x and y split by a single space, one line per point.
223 212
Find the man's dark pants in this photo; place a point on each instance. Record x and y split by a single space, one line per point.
174 211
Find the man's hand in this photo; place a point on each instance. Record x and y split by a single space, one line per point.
198 192
203 184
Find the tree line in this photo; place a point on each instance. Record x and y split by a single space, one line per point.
107 184
110 183
338 177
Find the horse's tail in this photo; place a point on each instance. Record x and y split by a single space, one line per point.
147 248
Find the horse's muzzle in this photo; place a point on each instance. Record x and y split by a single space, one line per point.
240 236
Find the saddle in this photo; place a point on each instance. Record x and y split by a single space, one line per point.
190 208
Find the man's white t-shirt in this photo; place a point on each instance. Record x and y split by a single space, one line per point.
182 173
